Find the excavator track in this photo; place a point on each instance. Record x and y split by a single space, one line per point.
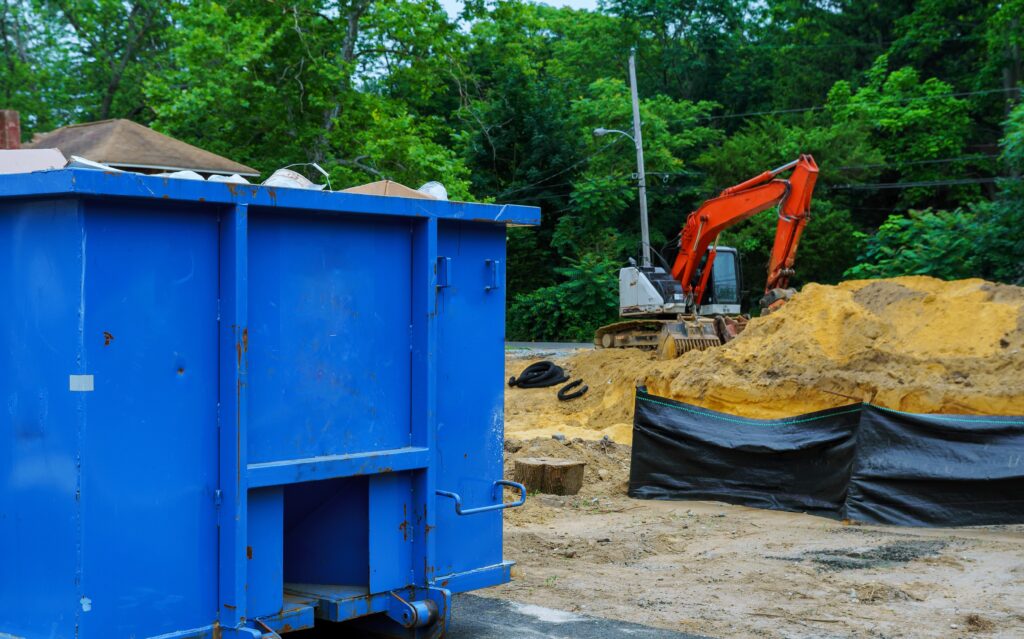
670 337
642 334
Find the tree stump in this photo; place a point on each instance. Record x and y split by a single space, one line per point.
550 475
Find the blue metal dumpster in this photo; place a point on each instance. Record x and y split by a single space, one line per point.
234 411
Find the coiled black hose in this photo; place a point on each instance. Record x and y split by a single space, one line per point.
545 374
565 395
539 375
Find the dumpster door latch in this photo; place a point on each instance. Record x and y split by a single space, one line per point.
493 281
444 266
496 489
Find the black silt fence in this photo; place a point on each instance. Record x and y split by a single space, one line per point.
860 462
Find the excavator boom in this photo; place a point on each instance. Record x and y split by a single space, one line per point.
793 216
738 203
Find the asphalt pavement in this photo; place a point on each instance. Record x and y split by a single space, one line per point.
484 618
475 617
549 346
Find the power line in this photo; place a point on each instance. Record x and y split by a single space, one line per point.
821 107
505 194
964 158
551 196
913 185
872 45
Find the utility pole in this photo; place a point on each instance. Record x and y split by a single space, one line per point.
645 233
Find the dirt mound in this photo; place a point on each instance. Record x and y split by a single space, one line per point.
913 343
606 408
916 344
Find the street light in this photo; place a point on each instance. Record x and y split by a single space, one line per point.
638 142
599 132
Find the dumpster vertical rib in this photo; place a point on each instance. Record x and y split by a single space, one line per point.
234 345
424 388
81 366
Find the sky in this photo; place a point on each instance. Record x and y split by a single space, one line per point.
454 6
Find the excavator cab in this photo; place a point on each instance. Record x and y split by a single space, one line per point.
716 320
659 309
651 291
725 284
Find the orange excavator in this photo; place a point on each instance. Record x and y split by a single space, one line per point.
695 304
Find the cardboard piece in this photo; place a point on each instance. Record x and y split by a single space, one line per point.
388 188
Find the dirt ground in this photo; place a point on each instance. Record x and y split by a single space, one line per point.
733 572
914 344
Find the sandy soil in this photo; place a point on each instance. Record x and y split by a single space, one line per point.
729 571
915 344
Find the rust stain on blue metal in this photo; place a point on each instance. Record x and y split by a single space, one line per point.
404 526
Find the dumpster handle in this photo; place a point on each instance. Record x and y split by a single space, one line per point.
496 491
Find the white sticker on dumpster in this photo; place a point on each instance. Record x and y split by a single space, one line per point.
80 383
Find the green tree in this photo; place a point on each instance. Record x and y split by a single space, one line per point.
914 123
685 48
946 39
586 298
1002 246
33 77
794 51
1004 40
112 46
937 243
274 88
984 239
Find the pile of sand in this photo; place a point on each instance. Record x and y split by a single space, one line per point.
913 343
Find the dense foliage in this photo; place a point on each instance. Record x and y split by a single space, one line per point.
908 107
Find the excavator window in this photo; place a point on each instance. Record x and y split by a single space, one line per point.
725 285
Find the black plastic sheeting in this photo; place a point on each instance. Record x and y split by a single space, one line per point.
859 462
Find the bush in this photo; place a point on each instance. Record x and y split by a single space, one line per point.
943 244
570 310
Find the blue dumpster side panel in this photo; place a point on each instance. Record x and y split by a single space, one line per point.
149 445
40 266
329 311
470 409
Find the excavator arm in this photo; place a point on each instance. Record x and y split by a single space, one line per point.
738 203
